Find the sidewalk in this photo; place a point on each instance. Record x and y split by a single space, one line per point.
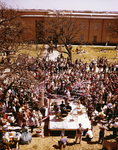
50 56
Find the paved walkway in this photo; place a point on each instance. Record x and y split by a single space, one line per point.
51 56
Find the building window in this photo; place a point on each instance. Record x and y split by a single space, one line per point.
82 25
81 38
95 39
39 31
95 26
107 39
109 26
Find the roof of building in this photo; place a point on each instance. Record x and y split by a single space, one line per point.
74 14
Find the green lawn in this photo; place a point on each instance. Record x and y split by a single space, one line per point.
90 52
93 52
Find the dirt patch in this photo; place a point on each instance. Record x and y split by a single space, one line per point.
51 142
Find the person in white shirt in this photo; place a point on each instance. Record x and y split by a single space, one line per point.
89 134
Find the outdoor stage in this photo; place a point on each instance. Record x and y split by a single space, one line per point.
69 123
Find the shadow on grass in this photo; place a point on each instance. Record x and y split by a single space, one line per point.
68 144
90 142
55 146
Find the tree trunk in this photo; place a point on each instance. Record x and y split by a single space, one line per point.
71 56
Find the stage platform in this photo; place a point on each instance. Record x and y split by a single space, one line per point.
77 115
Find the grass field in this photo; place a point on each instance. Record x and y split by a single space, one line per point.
90 52
95 51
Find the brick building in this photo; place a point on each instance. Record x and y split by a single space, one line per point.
95 25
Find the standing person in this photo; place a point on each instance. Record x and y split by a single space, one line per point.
102 133
32 122
25 135
116 109
110 114
90 107
43 110
79 133
91 66
105 96
19 118
115 127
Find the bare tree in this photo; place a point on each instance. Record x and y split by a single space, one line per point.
113 28
63 29
14 36
14 33
20 75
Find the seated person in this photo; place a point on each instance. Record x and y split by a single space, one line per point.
89 134
68 107
64 112
62 105
12 120
55 106
62 141
58 111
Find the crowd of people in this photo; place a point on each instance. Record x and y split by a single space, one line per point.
94 84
